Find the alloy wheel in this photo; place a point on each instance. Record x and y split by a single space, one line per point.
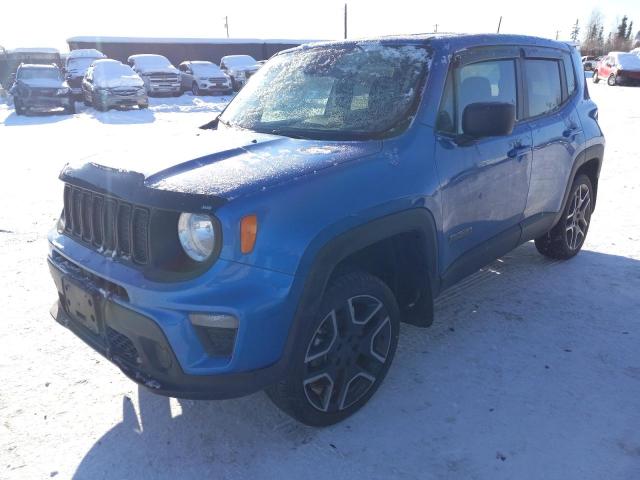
577 221
347 354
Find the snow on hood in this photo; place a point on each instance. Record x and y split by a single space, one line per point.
44 83
228 163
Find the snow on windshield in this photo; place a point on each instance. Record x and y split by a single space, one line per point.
363 88
239 61
206 69
79 64
152 62
629 60
39 73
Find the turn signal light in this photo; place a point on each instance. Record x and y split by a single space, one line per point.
248 233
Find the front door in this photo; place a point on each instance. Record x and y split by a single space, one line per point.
484 182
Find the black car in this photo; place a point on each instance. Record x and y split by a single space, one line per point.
41 87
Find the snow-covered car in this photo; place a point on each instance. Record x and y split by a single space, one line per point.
618 68
159 75
239 68
588 63
41 87
76 66
109 83
204 77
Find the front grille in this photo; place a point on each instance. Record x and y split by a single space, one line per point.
110 226
163 78
122 346
218 80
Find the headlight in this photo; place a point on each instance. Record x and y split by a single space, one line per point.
197 235
62 91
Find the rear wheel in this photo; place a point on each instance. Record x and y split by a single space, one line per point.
344 354
566 239
595 77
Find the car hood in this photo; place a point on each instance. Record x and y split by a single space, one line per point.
44 83
224 163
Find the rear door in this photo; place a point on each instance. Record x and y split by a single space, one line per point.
484 183
550 111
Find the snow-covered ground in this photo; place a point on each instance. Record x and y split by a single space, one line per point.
531 370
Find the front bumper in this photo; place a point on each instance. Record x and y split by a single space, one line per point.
46 102
155 88
155 343
125 100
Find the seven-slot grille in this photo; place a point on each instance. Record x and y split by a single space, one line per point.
107 224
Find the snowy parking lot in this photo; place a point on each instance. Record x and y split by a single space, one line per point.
530 371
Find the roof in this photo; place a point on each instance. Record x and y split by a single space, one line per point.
452 41
169 40
38 66
35 50
86 53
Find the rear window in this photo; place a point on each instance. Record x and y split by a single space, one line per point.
570 73
544 91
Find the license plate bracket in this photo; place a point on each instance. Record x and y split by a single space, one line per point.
82 305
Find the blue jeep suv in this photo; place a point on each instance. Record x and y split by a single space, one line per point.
344 188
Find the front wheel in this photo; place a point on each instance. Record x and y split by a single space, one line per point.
71 109
344 354
18 106
567 237
612 81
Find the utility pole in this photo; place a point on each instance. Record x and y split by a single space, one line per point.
557 34
345 20
435 28
499 23
226 24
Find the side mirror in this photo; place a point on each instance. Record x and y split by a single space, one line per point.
488 119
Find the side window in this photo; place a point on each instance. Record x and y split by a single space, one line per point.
544 92
570 73
490 81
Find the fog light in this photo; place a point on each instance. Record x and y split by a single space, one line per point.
217 332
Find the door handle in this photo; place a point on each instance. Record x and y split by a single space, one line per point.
518 151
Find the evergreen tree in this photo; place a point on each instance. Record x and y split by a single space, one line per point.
575 31
622 28
628 37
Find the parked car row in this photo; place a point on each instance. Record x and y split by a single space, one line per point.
105 83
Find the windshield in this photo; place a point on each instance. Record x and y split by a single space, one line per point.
205 68
361 90
239 61
114 70
79 64
150 62
37 73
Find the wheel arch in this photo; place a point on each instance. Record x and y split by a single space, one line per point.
401 248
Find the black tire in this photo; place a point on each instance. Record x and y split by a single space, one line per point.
17 104
71 109
567 237
143 106
351 356
195 89
177 94
595 77
99 105
612 81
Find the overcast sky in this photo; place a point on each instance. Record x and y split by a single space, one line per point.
45 23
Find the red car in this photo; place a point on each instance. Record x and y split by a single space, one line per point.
618 68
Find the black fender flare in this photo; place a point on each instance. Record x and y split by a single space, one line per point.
319 266
590 153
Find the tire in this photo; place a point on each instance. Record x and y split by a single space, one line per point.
595 77
18 106
612 81
99 105
343 355
567 237
195 89
143 106
177 94
71 109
